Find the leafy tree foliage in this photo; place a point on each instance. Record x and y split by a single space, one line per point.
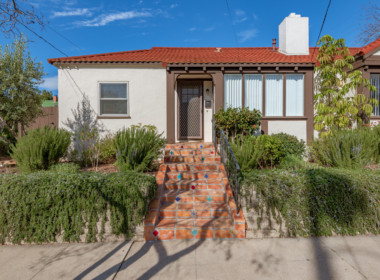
20 99
47 95
339 101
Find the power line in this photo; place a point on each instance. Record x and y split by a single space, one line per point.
320 31
232 23
64 37
35 33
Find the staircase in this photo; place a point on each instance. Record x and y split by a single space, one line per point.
194 199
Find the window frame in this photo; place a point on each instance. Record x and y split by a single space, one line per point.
127 98
264 75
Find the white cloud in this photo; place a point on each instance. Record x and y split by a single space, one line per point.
192 29
247 34
172 6
72 12
50 83
240 16
104 19
209 29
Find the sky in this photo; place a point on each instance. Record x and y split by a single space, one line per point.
90 26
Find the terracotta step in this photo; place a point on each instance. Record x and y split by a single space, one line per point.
194 167
188 152
190 146
191 159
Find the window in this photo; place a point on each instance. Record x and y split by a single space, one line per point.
294 94
232 90
114 99
273 95
253 87
375 81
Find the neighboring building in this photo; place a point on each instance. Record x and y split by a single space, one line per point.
179 89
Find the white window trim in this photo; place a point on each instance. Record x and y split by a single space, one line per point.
100 99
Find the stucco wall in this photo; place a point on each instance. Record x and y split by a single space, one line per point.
296 128
147 93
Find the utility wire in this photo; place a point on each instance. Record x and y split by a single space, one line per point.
320 31
64 37
232 23
35 33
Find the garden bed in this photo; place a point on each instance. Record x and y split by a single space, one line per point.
72 206
313 201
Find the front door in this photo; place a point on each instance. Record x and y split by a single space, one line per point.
190 109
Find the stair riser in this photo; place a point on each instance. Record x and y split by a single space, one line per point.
190 159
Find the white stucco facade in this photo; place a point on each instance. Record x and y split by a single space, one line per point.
295 128
146 93
294 35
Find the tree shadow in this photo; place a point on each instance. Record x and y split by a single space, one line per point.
334 203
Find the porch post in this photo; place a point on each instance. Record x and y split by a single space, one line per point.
170 109
218 80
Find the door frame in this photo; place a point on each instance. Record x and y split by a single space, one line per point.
179 92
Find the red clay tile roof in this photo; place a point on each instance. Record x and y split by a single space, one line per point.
370 47
167 55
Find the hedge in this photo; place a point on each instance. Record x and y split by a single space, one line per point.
316 201
38 207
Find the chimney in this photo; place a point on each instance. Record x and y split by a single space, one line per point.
294 35
274 44
55 98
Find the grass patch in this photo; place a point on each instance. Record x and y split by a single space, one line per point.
38 207
316 201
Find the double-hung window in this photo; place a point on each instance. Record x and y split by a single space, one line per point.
232 90
253 91
375 81
274 95
294 95
114 99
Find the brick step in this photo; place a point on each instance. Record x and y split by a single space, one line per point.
189 184
194 167
188 152
190 146
193 175
198 223
191 158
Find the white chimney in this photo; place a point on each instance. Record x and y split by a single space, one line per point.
294 35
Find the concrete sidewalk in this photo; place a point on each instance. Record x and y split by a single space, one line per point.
285 258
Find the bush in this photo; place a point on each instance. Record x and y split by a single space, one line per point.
38 207
290 144
106 148
354 148
65 168
265 150
40 148
236 121
316 202
137 148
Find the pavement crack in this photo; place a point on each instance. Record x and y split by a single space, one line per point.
125 257
343 259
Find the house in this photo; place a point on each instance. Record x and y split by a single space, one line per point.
179 89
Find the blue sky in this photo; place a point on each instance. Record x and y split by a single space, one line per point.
116 25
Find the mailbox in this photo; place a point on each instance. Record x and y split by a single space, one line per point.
208 98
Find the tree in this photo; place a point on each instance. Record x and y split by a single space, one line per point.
370 30
20 99
339 101
14 13
47 95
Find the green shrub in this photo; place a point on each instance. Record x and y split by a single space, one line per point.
38 207
316 202
65 168
268 151
292 162
106 148
40 148
243 147
290 144
137 148
236 121
347 148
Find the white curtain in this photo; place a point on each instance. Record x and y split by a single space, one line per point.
294 94
273 95
232 90
375 81
253 87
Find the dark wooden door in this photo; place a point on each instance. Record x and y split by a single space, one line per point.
190 109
